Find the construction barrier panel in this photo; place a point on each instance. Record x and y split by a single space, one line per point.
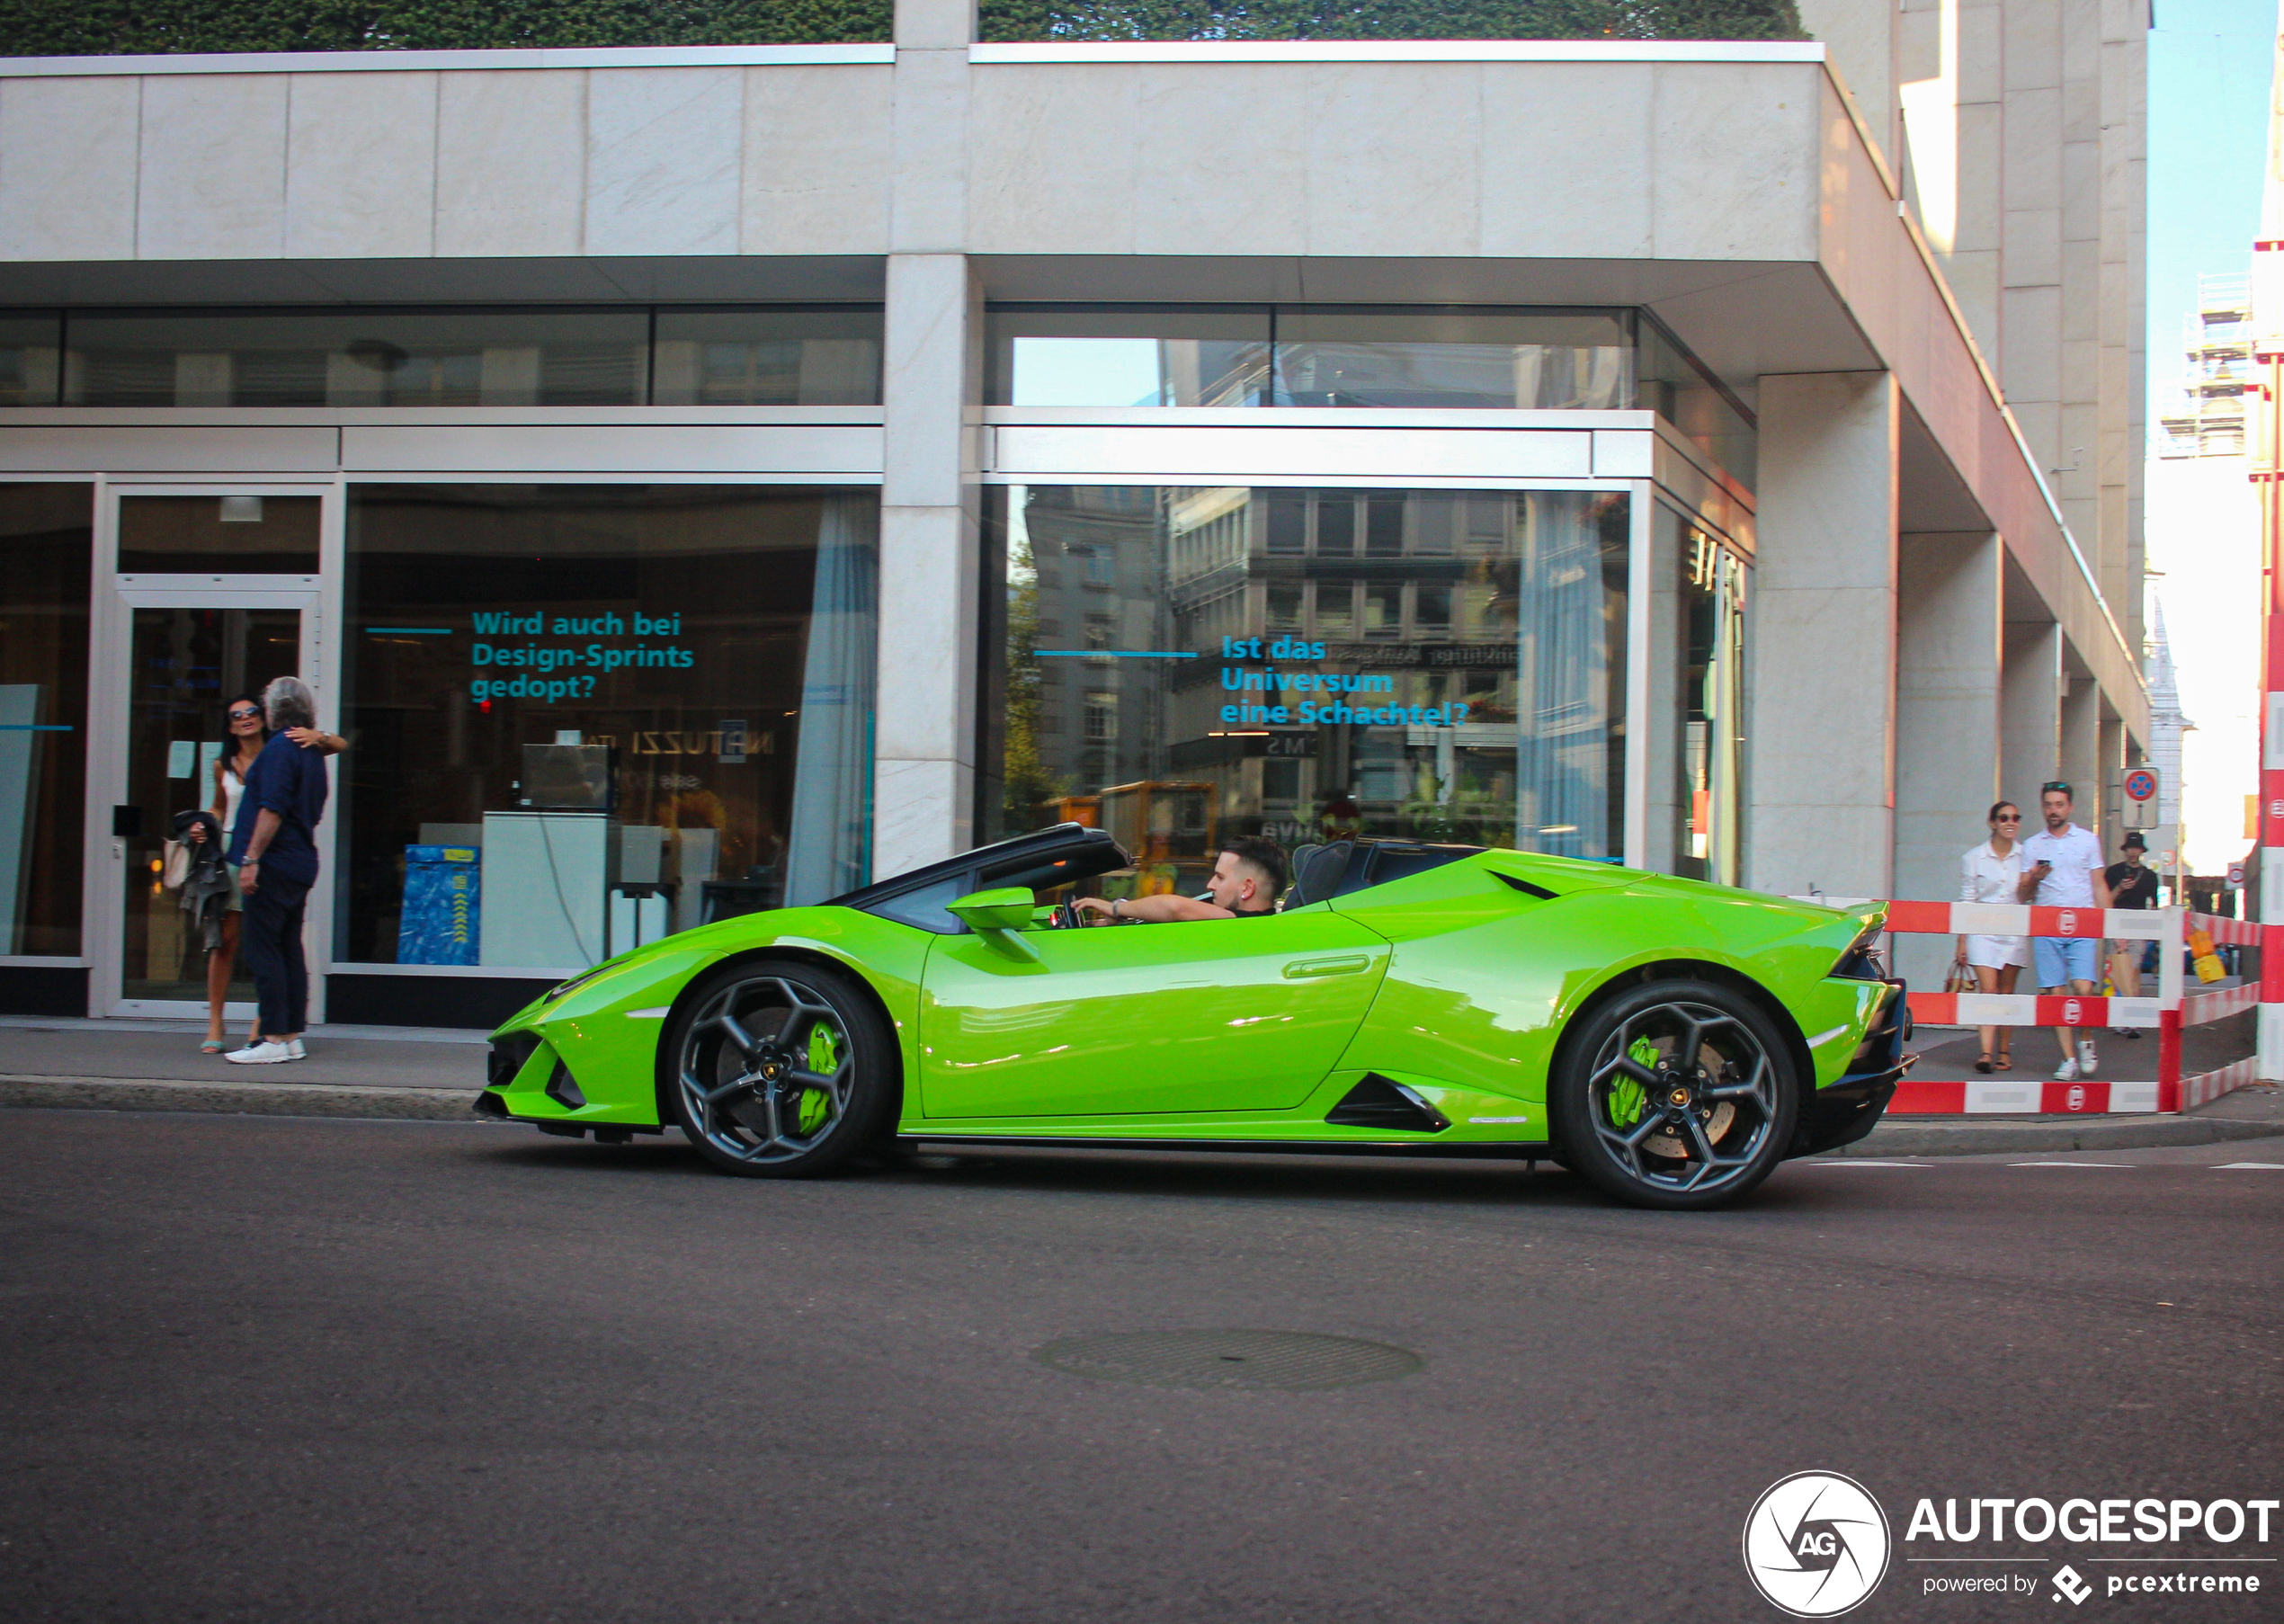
2172 1009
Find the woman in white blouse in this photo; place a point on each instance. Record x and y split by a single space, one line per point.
1992 873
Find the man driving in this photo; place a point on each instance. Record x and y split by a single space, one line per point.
1248 876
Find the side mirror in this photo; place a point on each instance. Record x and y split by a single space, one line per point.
1004 908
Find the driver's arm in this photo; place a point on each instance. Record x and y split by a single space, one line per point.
1152 910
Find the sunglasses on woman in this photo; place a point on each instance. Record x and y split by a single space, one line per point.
243 716
2008 817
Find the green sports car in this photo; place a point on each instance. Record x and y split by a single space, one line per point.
1668 1040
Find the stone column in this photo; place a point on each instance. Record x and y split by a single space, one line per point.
1950 596
1821 637
2081 753
925 754
2031 702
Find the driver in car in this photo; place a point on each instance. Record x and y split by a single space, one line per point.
1248 876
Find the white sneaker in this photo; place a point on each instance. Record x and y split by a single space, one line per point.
2085 1057
294 1051
2067 1072
260 1053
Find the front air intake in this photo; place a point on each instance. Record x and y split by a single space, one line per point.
1383 1102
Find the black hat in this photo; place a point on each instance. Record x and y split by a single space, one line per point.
2133 839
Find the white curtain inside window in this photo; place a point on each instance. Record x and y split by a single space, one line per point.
830 845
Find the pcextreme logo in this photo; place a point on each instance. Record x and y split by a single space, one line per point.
1815 1544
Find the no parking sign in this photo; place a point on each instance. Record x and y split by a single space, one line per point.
2141 799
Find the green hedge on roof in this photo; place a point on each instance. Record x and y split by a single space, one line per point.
115 28
96 28
1016 19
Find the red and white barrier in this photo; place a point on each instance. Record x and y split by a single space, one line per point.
2172 1009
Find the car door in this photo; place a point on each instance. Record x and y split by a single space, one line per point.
1205 1015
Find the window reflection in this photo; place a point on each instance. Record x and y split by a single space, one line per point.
1270 678
376 356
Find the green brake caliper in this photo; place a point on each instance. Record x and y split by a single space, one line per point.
824 1059
1627 1098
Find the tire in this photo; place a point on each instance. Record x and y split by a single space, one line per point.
1631 1114
782 1070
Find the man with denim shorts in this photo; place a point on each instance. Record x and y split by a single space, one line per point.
2062 869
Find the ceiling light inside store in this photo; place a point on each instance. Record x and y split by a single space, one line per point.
241 509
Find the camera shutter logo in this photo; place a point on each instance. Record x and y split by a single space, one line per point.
2071 1586
2071 1013
2069 922
1815 1544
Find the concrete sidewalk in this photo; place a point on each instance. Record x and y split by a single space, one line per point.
434 1075
408 1073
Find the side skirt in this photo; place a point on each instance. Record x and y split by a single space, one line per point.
1510 1150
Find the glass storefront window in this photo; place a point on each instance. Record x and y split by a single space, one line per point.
1706 703
828 356
29 344
1363 355
1127 355
1180 664
583 716
47 537
218 535
1672 383
476 356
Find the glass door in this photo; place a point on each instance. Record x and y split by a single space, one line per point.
186 663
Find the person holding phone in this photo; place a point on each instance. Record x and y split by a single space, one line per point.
2062 869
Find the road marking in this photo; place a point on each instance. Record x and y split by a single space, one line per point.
1864 1162
2227 1167
2127 1165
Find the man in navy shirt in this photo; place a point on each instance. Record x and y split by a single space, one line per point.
275 850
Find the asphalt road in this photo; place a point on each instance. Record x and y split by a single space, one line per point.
279 1369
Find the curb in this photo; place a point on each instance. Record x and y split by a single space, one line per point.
241 1099
1894 1136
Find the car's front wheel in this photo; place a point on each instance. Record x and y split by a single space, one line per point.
782 1070
1675 1095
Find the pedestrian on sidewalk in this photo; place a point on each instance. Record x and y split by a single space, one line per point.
275 850
243 735
1991 871
2132 885
2062 869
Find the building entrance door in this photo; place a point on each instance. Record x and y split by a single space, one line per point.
180 647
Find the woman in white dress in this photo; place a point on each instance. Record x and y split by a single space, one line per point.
1991 871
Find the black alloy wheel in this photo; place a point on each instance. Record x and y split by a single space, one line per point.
1676 1094
782 1070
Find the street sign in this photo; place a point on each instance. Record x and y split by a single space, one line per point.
2236 877
2141 799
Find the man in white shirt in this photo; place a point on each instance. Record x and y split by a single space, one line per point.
2062 869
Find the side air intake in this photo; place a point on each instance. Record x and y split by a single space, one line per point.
1380 1102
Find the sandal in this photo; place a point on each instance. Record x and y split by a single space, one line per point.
2006 1064
1983 1063
212 1046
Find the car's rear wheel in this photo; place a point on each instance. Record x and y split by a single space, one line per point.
782 1070
1675 1095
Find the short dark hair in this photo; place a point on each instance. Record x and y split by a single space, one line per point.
1265 855
1998 807
2059 786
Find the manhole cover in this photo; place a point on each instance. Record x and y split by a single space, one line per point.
1293 1361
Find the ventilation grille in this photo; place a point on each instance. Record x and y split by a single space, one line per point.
1383 1102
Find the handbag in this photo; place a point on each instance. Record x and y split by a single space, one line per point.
1961 980
177 866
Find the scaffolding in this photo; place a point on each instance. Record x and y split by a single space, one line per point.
2208 415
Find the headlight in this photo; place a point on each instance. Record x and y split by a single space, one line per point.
582 979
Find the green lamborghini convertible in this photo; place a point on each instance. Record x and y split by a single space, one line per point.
1670 1040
